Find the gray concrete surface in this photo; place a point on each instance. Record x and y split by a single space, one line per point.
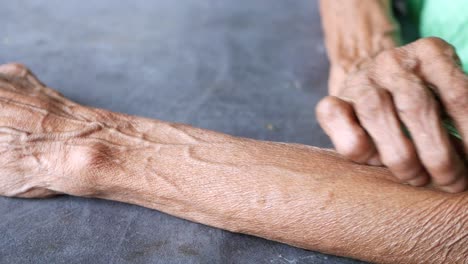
251 68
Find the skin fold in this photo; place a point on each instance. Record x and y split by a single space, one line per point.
376 85
304 196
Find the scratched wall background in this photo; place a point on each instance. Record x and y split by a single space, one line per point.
251 68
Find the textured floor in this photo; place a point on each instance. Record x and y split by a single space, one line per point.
252 68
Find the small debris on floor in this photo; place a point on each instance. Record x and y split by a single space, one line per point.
270 127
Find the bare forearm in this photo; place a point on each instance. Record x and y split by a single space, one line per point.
295 194
356 31
291 193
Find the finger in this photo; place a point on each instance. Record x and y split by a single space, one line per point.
419 111
376 113
444 73
339 122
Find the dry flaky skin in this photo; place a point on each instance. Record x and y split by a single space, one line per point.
300 195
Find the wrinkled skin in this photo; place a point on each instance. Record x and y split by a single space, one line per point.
300 195
27 107
40 132
363 119
376 86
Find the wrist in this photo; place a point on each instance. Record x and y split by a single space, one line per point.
83 157
355 32
342 66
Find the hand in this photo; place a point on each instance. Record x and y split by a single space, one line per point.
364 119
37 127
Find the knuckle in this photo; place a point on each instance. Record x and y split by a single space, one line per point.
457 98
359 80
389 58
432 42
415 102
436 45
394 66
371 101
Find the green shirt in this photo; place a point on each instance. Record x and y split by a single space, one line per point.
447 19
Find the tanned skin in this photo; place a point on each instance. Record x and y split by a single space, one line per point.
375 86
299 195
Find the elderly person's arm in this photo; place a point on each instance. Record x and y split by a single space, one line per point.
376 87
303 196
